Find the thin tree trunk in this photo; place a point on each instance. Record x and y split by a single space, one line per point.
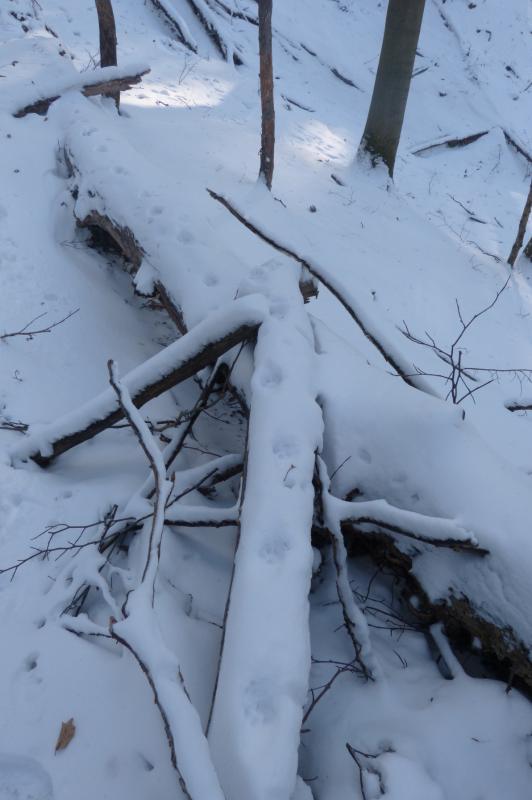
519 239
266 92
392 84
106 23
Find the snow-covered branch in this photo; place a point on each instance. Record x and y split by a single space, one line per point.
106 80
181 360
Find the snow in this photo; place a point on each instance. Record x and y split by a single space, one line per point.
401 252
23 778
265 657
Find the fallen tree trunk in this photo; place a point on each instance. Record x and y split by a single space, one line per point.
264 664
105 81
466 554
176 23
453 142
463 620
181 360
206 17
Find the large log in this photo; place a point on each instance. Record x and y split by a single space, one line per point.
464 622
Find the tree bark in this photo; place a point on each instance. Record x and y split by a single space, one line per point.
523 222
267 147
106 23
392 84
99 85
181 360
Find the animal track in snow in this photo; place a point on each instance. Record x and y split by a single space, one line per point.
259 701
285 447
271 376
364 455
274 550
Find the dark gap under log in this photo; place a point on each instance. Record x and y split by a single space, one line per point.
503 653
108 235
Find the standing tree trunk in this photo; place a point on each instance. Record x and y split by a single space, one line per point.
519 239
106 23
390 93
267 146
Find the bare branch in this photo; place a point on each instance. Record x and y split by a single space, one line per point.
371 335
181 360
29 332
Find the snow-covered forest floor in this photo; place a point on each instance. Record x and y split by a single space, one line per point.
414 255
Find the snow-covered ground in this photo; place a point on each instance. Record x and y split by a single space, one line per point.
414 253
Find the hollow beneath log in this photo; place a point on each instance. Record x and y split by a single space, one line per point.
503 653
108 236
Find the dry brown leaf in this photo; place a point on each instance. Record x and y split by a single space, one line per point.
66 734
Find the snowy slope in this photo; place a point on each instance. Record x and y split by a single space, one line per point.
405 253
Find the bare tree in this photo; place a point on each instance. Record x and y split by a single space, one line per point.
523 222
106 23
267 146
392 84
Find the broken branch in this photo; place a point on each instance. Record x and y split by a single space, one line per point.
100 84
210 339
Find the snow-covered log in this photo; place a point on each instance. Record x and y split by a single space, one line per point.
157 246
181 360
213 23
201 517
106 81
176 22
263 675
443 485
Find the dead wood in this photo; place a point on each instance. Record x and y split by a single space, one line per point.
336 72
109 234
105 229
170 376
473 137
512 142
456 142
521 230
527 406
354 621
28 332
312 269
175 25
412 525
109 86
462 620
213 33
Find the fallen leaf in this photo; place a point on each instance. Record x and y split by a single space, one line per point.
66 734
